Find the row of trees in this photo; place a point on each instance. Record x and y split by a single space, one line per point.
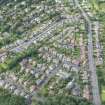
8 99
63 100
100 15
13 61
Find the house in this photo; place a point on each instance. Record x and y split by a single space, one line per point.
12 88
49 59
47 71
58 1
38 82
26 10
27 96
33 88
55 60
1 18
27 70
25 83
22 93
32 72
76 62
70 85
23 3
54 44
37 75
7 86
2 83
75 69
54 53
13 77
39 65
2 59
60 56
20 81
76 90
86 92
17 91
67 66
63 75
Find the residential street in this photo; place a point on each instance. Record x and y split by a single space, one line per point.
51 50
92 67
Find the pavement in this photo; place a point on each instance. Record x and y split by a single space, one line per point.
36 37
92 67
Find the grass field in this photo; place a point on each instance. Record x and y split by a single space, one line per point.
94 4
102 7
103 94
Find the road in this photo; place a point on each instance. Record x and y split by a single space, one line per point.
43 83
92 67
98 46
36 37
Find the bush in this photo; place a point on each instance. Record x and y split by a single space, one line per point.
64 100
8 99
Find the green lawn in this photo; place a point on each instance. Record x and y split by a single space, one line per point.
103 94
102 7
94 4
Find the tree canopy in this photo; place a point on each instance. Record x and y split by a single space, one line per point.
9 99
64 100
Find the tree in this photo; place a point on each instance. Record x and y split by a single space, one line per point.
64 100
9 99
